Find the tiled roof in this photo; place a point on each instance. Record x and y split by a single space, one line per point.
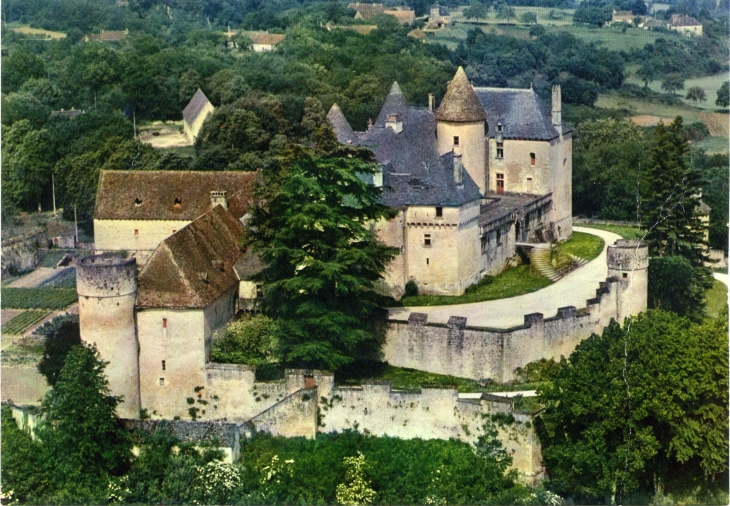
679 20
169 195
341 126
367 11
417 33
521 112
361 29
499 206
267 39
195 107
194 266
405 17
623 14
460 103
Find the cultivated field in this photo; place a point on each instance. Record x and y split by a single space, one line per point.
708 83
646 120
44 34
716 123
639 107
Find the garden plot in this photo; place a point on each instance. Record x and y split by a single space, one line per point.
23 321
38 298
717 123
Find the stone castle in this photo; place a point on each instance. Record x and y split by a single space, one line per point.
488 170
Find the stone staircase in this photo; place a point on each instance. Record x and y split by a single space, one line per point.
540 259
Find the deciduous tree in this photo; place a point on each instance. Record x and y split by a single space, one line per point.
696 94
723 95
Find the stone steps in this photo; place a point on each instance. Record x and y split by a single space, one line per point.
540 259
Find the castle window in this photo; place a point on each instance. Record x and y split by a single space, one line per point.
162 382
164 323
500 150
532 159
427 239
499 127
427 261
499 237
500 184
163 365
456 140
439 212
136 232
565 161
625 274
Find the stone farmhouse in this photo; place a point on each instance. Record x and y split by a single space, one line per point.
488 171
622 17
195 114
263 41
136 210
686 25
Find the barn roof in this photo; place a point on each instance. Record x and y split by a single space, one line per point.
460 104
267 39
367 11
406 17
169 195
194 266
195 107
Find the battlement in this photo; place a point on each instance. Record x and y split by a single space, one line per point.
627 255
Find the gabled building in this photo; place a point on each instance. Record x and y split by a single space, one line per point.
136 210
686 25
195 114
264 41
622 17
490 168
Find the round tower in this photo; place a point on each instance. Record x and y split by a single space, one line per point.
460 126
107 289
628 261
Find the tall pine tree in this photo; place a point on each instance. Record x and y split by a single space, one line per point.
314 230
671 196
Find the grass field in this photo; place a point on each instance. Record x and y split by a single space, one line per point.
716 299
44 34
637 106
708 83
513 282
585 246
714 144
543 16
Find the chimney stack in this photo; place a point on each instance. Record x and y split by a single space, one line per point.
430 102
458 169
218 197
557 106
394 121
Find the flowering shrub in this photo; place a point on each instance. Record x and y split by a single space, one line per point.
215 483
358 490
118 490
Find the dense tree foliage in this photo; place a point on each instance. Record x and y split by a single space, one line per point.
636 406
314 232
61 335
84 443
676 285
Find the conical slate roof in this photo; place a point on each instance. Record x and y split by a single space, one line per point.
395 103
341 127
461 103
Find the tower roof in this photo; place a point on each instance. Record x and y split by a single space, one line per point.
340 125
460 103
395 103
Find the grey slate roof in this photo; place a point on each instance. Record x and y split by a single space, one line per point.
341 126
460 103
395 103
522 113
194 107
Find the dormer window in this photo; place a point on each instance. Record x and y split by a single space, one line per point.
178 201
138 202
499 126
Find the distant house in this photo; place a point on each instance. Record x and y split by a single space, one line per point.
195 113
438 14
686 25
366 11
263 41
651 24
405 16
70 114
417 34
107 36
622 17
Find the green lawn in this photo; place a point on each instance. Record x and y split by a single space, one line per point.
708 83
402 378
713 144
637 106
585 246
516 281
625 232
716 299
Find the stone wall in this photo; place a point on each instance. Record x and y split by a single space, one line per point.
293 416
471 146
457 349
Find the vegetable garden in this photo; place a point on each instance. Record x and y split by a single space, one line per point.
23 321
37 298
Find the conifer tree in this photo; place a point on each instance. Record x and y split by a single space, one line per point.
314 230
671 194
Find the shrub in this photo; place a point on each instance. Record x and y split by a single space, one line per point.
411 289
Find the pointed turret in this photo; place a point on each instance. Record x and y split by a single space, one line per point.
395 103
460 104
341 126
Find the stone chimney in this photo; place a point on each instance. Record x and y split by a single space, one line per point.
394 121
557 108
431 101
458 169
218 197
